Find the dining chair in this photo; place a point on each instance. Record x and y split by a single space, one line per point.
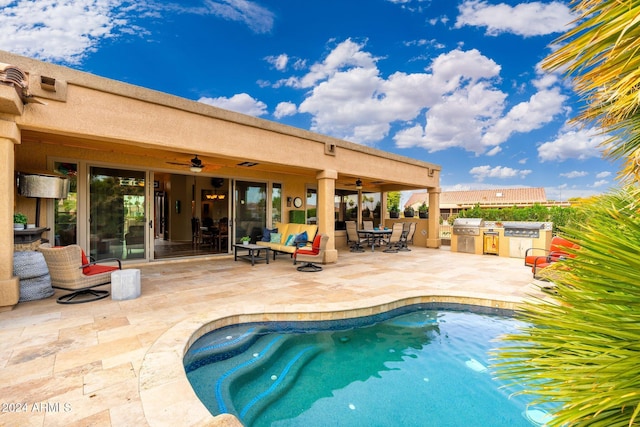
393 242
353 240
407 236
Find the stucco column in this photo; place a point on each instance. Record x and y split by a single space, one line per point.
326 211
9 285
433 239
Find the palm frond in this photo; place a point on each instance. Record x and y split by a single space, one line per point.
601 54
581 351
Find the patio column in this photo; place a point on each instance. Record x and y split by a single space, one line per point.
326 211
433 239
9 285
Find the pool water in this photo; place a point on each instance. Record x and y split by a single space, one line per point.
415 368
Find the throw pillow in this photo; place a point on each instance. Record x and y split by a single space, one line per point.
290 240
266 234
85 261
275 237
301 239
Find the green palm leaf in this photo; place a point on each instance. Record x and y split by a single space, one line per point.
601 53
581 351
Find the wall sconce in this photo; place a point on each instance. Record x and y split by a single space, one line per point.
358 184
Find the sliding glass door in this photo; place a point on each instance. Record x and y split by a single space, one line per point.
117 213
250 203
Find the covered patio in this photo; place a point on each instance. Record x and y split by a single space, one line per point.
115 363
147 169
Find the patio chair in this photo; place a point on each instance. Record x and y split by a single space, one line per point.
353 240
540 263
313 255
367 225
408 231
557 250
70 270
394 241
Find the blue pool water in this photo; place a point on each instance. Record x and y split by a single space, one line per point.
410 367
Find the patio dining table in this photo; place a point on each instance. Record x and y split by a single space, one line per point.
374 237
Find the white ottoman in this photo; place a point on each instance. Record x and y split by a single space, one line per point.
125 284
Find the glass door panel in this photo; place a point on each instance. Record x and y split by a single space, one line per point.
117 221
65 229
250 209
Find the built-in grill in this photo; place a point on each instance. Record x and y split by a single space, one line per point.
522 229
467 226
464 233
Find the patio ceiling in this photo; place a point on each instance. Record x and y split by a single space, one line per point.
178 162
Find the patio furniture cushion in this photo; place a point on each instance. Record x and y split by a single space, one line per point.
98 269
275 238
266 233
290 240
301 239
315 247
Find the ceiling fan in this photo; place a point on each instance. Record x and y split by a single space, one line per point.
195 164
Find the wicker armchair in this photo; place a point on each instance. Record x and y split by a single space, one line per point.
70 270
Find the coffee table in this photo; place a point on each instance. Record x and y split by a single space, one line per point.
254 252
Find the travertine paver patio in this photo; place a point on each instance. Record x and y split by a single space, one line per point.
117 363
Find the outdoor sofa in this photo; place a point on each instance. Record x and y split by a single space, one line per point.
284 238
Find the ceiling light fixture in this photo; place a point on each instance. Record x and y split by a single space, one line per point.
196 165
358 184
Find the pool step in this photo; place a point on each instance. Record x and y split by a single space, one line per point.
261 375
221 347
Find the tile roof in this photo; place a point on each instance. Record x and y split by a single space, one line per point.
495 197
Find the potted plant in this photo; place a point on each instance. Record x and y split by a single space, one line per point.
394 212
19 221
423 210
376 210
409 212
245 240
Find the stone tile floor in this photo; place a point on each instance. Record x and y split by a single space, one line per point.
118 363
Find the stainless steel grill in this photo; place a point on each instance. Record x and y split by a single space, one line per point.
522 229
467 226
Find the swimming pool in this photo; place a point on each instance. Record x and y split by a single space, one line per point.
411 366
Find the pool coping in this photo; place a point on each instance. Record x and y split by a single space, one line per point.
165 392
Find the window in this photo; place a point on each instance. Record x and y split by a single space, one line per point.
276 203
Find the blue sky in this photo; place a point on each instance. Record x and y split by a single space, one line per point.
454 83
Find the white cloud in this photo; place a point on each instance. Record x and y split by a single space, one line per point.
574 174
524 19
284 109
600 183
455 103
254 16
345 54
579 144
58 30
68 30
499 172
241 103
603 174
526 116
279 62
